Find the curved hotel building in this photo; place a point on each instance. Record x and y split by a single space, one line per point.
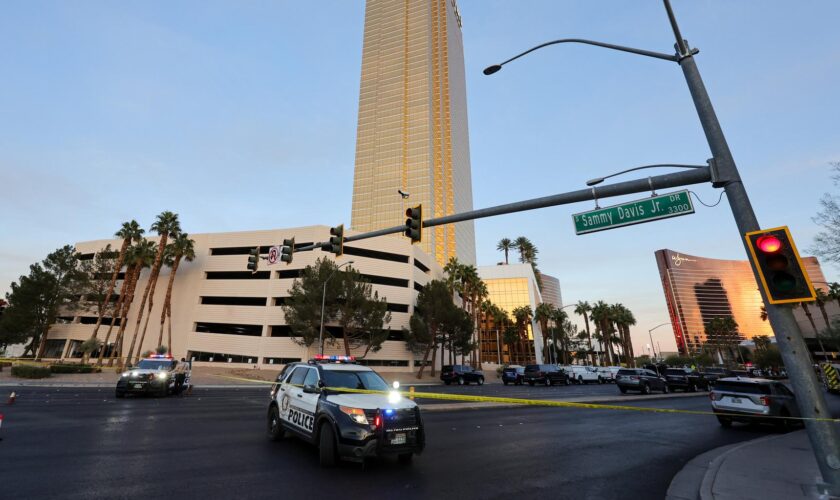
699 289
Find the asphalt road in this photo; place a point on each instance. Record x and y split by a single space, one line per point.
84 443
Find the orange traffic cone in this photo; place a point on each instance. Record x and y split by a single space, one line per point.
12 398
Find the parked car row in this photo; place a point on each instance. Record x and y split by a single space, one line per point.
548 374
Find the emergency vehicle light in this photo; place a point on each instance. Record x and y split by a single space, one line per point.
337 359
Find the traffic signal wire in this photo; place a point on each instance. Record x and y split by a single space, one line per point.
697 197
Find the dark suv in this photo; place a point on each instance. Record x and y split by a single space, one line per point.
513 374
545 374
713 373
685 379
461 374
639 379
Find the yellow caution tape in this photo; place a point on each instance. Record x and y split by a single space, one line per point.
550 403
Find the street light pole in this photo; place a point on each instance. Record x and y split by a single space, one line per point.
323 303
651 339
824 437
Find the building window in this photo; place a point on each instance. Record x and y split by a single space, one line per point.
400 308
419 265
108 276
382 362
54 348
91 320
238 275
279 301
229 329
418 287
281 331
234 301
376 254
280 361
385 280
217 357
85 256
396 335
289 273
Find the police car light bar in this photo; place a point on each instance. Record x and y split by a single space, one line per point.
160 356
335 359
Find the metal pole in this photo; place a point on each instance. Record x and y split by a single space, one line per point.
651 344
321 330
809 397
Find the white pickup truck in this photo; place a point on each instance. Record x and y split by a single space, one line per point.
584 374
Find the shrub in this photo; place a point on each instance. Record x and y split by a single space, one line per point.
74 369
30 371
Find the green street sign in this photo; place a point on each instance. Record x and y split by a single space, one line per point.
635 212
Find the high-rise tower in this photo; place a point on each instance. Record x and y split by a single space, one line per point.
412 133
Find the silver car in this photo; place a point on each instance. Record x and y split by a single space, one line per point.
753 400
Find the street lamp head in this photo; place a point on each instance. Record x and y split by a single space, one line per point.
489 70
593 182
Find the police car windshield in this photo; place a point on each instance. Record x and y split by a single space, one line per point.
354 380
155 364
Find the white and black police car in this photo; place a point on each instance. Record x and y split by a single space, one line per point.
310 400
158 375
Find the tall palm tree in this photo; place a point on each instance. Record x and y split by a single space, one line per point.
601 316
807 311
505 245
129 232
834 292
118 307
140 256
583 308
527 250
822 298
624 319
182 247
523 315
561 319
166 225
543 313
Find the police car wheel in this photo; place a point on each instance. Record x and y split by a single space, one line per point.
405 458
326 448
505 382
460 380
480 381
275 428
120 394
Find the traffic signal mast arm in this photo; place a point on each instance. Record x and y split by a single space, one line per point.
664 181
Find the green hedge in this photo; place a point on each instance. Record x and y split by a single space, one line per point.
74 369
30 371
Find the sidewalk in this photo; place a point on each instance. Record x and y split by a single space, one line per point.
775 467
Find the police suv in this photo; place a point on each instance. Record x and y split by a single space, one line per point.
158 375
311 400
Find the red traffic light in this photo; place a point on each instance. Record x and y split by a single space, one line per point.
769 244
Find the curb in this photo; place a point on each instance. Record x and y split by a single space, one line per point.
708 482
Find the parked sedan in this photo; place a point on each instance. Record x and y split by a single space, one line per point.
513 374
461 374
753 400
639 379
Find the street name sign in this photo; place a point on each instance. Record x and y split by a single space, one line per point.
663 206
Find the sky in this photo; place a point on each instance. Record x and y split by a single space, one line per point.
242 116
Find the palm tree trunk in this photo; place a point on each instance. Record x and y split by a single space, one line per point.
589 337
129 298
821 305
810 317
117 311
423 366
168 299
111 286
169 326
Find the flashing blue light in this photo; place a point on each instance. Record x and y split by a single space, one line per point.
389 412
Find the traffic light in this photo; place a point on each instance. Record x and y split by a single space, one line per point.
336 245
287 251
781 271
254 260
414 223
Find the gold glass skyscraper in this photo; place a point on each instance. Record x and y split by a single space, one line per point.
412 132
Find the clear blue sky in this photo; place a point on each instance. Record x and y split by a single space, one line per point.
111 111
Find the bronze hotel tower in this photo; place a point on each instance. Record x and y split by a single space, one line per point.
412 130
698 290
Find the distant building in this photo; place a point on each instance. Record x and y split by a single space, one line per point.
509 287
698 289
550 290
412 134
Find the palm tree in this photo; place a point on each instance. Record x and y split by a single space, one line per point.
624 319
834 292
523 315
140 256
543 313
166 225
822 298
561 318
763 314
583 309
505 245
527 250
601 316
807 311
182 247
118 307
129 232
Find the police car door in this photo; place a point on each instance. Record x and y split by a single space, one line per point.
299 406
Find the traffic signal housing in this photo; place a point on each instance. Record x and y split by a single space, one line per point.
414 223
254 260
782 274
336 244
287 251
